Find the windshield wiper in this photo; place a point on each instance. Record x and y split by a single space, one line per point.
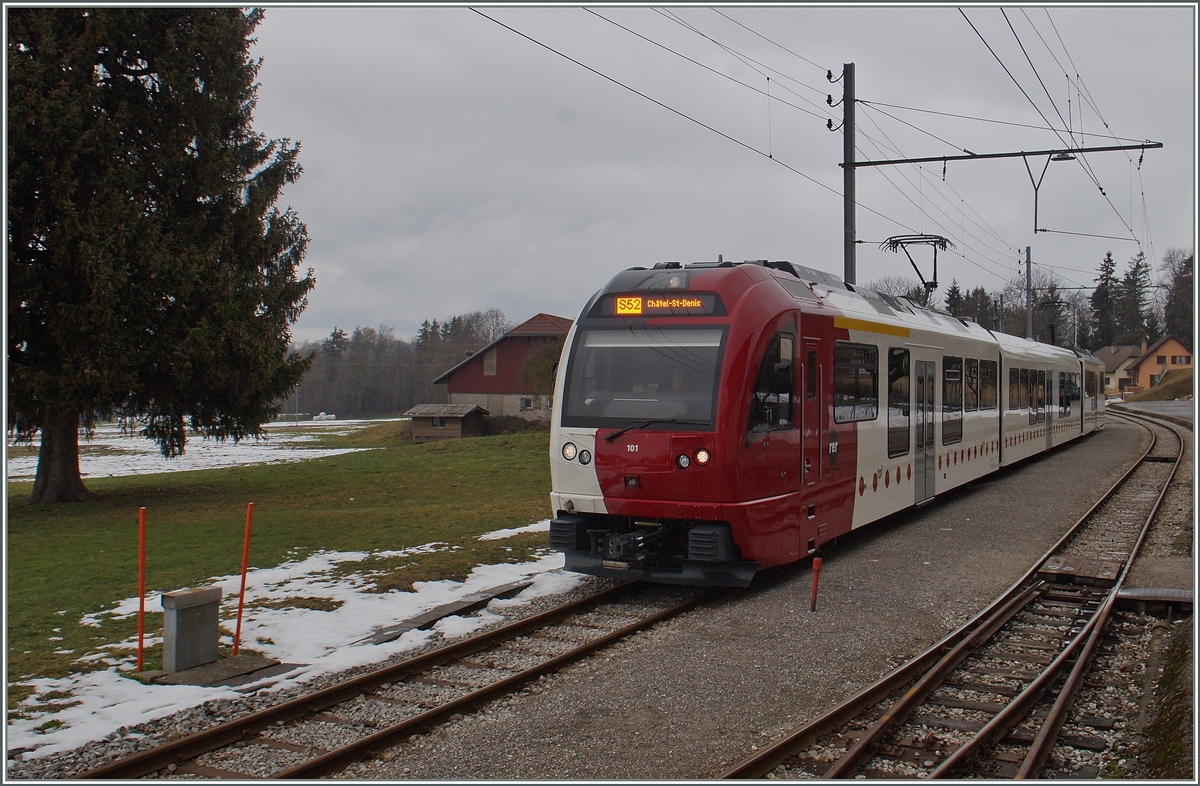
644 423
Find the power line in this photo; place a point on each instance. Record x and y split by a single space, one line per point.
985 120
922 174
683 115
1035 73
915 128
1082 159
705 67
750 62
768 40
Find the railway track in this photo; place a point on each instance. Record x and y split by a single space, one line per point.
321 733
991 698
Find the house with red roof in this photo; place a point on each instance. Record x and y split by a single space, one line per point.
492 378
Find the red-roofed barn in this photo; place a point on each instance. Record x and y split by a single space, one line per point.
491 378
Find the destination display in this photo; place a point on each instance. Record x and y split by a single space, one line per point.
689 304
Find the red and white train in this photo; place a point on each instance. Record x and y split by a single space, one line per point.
714 419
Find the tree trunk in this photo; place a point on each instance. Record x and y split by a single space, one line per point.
58 478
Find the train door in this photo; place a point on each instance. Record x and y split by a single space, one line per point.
924 473
812 413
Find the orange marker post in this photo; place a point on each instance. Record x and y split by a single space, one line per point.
816 575
237 636
141 584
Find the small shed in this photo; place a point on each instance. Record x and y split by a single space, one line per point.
446 421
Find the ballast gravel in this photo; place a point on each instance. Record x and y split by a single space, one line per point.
702 691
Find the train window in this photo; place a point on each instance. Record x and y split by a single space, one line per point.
971 384
810 374
1064 394
899 399
988 381
1026 395
855 382
952 399
1041 387
639 373
1014 388
771 401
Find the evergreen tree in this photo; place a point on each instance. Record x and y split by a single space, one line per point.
337 341
1103 304
955 301
1178 312
150 275
1130 302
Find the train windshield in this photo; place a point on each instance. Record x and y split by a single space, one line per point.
643 373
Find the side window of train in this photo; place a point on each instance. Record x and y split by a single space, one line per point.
771 401
1028 381
899 397
971 385
810 374
855 382
1014 388
1064 394
952 399
988 384
1041 395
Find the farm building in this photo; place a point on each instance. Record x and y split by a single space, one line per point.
446 421
493 377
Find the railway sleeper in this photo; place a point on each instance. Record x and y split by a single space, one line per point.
983 687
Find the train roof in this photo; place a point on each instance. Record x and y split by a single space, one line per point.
809 284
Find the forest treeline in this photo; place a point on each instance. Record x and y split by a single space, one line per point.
372 372
1121 307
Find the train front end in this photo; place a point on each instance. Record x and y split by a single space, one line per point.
640 452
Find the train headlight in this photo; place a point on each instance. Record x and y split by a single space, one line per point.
569 451
585 457
703 456
683 462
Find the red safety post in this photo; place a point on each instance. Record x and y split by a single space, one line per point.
816 577
237 636
141 584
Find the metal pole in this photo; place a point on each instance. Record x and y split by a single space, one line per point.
1028 296
851 230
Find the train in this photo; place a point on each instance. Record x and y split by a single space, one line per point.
714 419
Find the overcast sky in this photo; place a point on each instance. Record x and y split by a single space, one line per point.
452 165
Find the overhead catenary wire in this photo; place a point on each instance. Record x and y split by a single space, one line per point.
685 116
937 223
891 145
988 120
936 190
708 68
768 40
1081 158
748 60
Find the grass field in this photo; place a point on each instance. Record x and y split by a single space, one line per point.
68 560
1175 385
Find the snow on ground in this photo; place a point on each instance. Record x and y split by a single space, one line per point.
109 453
321 640
537 526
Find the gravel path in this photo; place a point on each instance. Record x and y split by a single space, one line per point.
704 690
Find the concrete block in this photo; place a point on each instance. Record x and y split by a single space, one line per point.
190 627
